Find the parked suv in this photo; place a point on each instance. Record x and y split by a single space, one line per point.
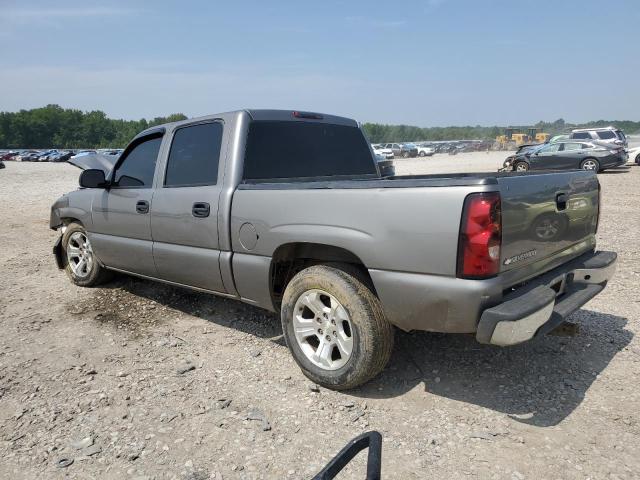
603 135
404 150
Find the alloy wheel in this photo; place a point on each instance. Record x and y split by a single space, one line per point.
322 329
80 254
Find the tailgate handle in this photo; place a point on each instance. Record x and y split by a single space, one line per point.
561 201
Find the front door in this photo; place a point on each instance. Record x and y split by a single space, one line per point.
545 158
121 235
184 215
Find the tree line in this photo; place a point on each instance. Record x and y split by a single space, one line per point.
379 133
56 127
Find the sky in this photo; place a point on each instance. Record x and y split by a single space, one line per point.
425 63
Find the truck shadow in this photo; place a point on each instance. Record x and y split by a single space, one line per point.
539 383
219 310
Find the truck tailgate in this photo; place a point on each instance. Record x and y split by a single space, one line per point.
546 216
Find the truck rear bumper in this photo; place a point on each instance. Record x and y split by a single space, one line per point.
544 303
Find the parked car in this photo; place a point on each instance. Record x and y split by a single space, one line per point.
28 156
425 150
60 157
610 135
386 167
568 155
292 231
387 153
8 155
404 150
81 153
44 156
634 154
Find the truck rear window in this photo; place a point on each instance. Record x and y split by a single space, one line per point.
295 149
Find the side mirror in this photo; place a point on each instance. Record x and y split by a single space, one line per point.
92 178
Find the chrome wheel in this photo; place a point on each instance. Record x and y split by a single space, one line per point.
80 254
522 167
589 165
323 329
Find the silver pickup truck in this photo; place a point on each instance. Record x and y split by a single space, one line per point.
288 211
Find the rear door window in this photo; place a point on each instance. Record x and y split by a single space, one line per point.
194 156
572 146
294 149
606 134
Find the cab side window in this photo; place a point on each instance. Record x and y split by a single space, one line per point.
138 166
194 156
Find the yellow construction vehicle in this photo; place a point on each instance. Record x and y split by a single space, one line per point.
514 137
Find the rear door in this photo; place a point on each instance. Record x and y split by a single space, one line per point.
121 234
184 217
569 155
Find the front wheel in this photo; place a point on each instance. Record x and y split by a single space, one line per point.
638 159
521 167
590 164
81 265
335 327
422 154
405 154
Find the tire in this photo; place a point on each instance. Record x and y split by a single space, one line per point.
590 164
638 159
94 273
343 293
521 167
405 154
422 154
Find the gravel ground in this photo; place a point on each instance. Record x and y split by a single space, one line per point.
141 380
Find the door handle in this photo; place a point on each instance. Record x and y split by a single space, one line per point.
561 201
142 206
201 209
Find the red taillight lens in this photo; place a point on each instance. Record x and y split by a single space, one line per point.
480 236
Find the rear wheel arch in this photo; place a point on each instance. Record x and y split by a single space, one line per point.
289 259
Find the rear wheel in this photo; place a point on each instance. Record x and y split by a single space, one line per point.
638 159
405 154
81 265
335 327
521 167
590 164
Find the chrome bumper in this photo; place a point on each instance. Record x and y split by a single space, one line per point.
544 303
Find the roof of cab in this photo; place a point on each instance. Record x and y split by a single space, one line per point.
260 115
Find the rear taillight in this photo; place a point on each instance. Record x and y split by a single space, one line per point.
480 236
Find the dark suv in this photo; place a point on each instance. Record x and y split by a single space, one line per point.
404 150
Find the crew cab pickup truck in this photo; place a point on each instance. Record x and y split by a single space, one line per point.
287 211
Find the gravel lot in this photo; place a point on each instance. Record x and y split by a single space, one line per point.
141 380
